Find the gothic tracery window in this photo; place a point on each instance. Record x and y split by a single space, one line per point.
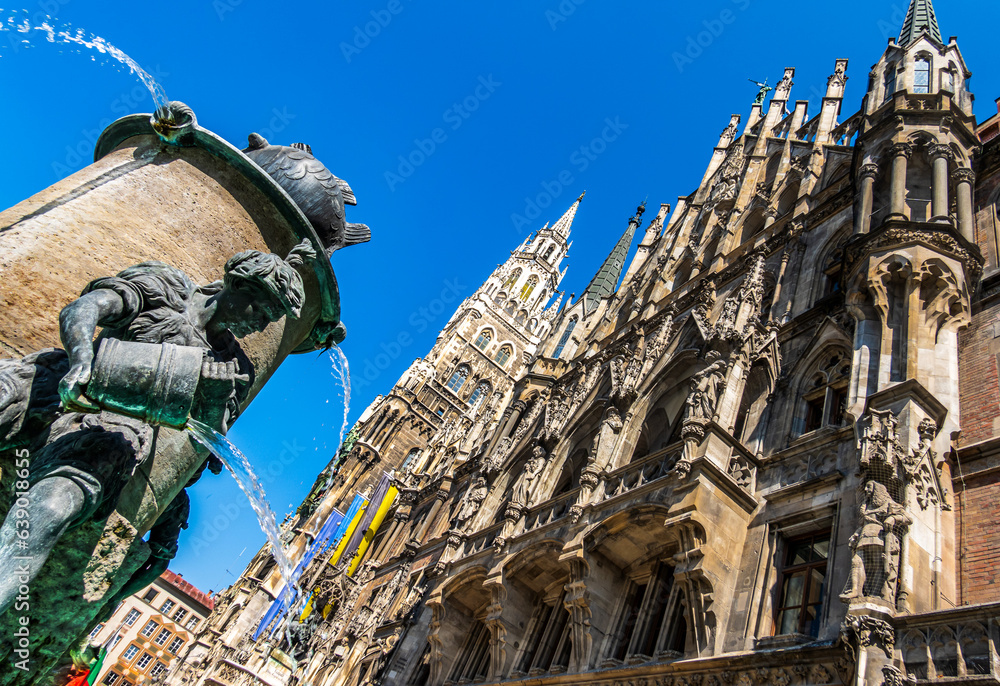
474 658
890 81
528 287
825 395
652 618
484 338
922 75
458 379
511 280
548 253
480 392
565 337
503 355
548 640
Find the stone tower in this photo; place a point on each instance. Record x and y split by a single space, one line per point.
909 270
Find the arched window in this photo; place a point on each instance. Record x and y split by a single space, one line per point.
484 338
548 253
479 394
890 81
521 317
499 298
458 379
529 286
922 75
512 279
509 309
503 354
824 399
565 337
410 463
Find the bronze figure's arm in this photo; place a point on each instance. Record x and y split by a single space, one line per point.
78 324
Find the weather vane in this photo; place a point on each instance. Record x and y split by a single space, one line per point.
764 90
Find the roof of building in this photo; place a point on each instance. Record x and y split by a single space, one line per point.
605 281
919 18
565 222
188 589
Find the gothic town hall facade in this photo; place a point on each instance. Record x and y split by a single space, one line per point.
765 450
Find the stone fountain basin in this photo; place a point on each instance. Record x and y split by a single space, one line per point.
193 204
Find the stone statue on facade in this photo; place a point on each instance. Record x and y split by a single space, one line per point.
705 388
82 454
472 502
876 546
526 482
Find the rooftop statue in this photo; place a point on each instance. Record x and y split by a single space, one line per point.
168 350
762 93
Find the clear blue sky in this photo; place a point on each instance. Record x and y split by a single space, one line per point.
533 82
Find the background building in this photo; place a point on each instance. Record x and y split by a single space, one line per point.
149 630
768 456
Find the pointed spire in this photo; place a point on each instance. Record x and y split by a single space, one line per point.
919 18
605 282
562 226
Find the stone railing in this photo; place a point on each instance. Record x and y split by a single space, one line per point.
549 511
637 474
482 539
959 643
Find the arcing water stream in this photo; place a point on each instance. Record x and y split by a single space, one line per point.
239 466
19 27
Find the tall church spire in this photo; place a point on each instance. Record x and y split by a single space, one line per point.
562 226
919 18
605 281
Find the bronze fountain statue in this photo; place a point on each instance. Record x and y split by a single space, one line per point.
90 439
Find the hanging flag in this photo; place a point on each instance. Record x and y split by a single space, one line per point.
376 522
374 504
330 533
345 540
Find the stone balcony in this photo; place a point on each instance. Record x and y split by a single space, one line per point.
957 646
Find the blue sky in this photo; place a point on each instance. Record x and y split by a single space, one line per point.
510 96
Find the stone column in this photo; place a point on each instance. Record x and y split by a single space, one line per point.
770 216
439 498
800 248
777 283
964 179
867 174
941 155
900 153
